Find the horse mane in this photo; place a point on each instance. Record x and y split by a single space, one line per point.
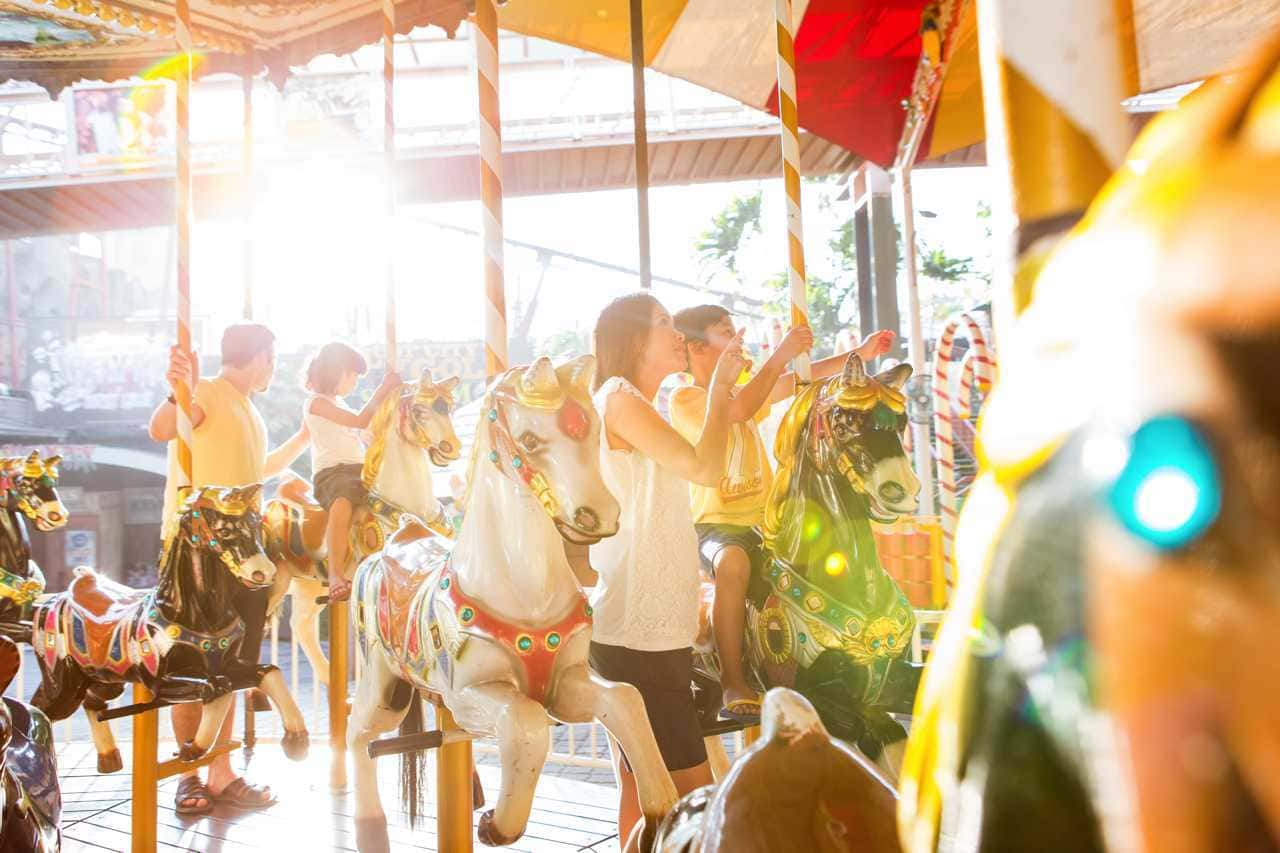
787 448
380 427
487 403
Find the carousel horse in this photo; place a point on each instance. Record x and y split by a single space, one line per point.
180 639
824 618
496 624
30 795
411 431
1106 678
27 492
795 790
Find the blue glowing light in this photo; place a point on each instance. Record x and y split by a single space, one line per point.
1169 491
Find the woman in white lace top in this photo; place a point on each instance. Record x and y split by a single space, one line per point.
646 599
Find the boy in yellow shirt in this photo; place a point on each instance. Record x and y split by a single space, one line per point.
727 516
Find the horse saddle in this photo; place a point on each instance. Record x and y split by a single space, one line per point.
411 559
305 535
102 603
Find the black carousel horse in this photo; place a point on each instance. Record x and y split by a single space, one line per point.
30 796
28 492
181 639
823 616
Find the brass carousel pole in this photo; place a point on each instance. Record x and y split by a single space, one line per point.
641 121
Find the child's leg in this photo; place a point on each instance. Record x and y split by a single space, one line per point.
733 571
336 539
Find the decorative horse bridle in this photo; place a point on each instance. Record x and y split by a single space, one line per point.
23 483
201 533
504 449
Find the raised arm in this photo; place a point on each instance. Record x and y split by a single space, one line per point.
330 411
635 423
875 345
163 425
762 388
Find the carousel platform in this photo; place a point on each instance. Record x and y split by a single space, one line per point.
568 813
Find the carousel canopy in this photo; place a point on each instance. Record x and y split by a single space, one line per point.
55 43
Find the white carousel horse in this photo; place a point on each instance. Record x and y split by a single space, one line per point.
497 624
411 430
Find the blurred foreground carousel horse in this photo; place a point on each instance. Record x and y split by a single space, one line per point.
30 796
796 790
1107 678
411 431
181 639
823 616
497 624
27 493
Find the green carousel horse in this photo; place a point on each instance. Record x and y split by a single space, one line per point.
824 618
1106 679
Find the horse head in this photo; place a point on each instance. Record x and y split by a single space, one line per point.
427 406
544 433
854 423
1120 555
29 485
226 521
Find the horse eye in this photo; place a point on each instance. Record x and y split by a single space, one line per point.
530 441
440 407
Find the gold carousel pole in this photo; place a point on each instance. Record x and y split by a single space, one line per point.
1053 78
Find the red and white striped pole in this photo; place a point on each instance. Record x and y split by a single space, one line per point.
389 155
182 211
791 174
495 321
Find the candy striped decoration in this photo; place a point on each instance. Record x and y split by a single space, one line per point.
981 362
495 321
791 174
389 166
182 211
246 155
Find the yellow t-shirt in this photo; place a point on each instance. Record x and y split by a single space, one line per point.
229 446
740 495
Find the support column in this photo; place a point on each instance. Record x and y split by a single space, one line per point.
641 139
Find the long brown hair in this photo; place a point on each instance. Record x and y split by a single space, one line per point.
621 332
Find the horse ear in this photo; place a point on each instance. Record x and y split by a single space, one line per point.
249 495
854 373
32 468
185 494
895 377
426 377
449 383
577 373
541 378
51 466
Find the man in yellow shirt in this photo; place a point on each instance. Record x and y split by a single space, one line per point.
727 516
229 441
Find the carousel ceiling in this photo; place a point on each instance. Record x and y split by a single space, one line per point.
55 43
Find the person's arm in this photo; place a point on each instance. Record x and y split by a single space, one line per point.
330 411
284 455
639 427
163 425
876 344
762 389
579 557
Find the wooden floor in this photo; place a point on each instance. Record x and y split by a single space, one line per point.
567 814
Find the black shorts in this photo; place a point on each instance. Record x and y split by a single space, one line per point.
665 682
340 481
714 538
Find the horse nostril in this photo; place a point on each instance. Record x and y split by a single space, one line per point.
259 577
55 517
892 492
446 447
585 519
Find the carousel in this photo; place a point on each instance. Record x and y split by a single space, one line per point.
1052 654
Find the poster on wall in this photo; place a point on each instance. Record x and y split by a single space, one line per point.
118 125
82 548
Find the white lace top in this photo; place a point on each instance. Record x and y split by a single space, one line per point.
331 443
647 595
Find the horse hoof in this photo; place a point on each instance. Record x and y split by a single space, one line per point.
489 835
260 702
296 745
477 792
190 752
371 835
110 762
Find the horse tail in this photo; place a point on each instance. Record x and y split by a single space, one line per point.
413 765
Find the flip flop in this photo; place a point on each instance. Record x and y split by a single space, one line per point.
191 788
241 795
741 711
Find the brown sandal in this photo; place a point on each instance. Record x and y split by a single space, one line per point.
241 795
192 790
